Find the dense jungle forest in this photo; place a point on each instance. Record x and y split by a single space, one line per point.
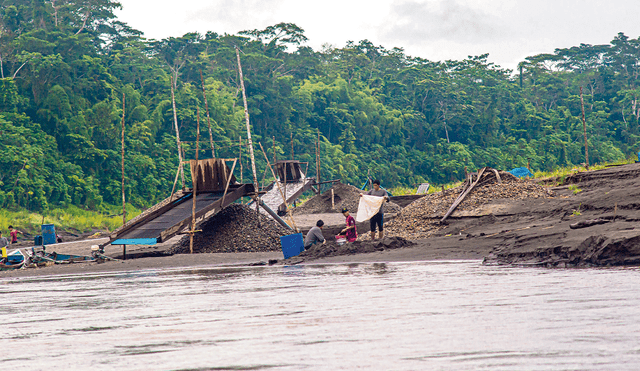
65 65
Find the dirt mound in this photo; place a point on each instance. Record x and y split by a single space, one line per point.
358 247
234 229
598 250
421 218
344 196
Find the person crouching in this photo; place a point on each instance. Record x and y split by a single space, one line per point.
350 232
314 235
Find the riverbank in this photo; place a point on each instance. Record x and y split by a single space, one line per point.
557 231
423 250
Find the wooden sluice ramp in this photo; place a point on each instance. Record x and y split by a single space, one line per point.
171 217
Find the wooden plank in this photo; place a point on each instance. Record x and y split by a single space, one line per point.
463 195
151 216
210 209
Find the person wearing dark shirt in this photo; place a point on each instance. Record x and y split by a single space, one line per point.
350 231
378 219
3 241
314 235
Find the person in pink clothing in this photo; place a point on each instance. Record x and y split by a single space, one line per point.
13 233
350 231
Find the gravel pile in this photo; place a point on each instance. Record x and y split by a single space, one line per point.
358 247
420 219
234 229
344 196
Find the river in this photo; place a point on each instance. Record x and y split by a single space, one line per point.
454 315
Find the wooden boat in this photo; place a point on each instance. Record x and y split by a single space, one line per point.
14 260
41 256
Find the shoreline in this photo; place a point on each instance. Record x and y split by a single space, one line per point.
541 232
422 251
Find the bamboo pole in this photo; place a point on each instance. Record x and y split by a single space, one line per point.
226 188
333 202
240 159
175 122
275 158
318 160
175 181
206 106
584 125
194 178
292 146
279 189
124 209
246 116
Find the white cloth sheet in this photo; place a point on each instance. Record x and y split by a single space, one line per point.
368 207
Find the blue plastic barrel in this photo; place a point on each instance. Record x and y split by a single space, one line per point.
48 234
37 241
292 245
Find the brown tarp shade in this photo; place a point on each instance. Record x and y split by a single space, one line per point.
212 174
292 169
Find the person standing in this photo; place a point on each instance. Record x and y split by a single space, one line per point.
378 219
314 235
13 234
350 231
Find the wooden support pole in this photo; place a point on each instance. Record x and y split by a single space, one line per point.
240 158
226 188
175 181
333 203
275 158
206 106
279 189
124 203
246 116
175 122
194 179
292 156
318 159
584 125
124 252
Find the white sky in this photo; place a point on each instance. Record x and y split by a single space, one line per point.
509 30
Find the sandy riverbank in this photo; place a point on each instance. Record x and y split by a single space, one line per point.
534 232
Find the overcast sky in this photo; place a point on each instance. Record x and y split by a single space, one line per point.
509 30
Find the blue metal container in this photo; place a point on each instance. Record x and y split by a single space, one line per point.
292 245
37 241
48 234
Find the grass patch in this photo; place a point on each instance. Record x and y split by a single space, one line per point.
71 218
574 188
405 191
558 176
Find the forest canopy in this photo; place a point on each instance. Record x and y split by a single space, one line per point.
65 66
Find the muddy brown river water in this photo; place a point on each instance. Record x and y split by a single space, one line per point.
454 315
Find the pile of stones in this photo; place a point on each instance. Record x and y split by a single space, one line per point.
421 218
234 229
